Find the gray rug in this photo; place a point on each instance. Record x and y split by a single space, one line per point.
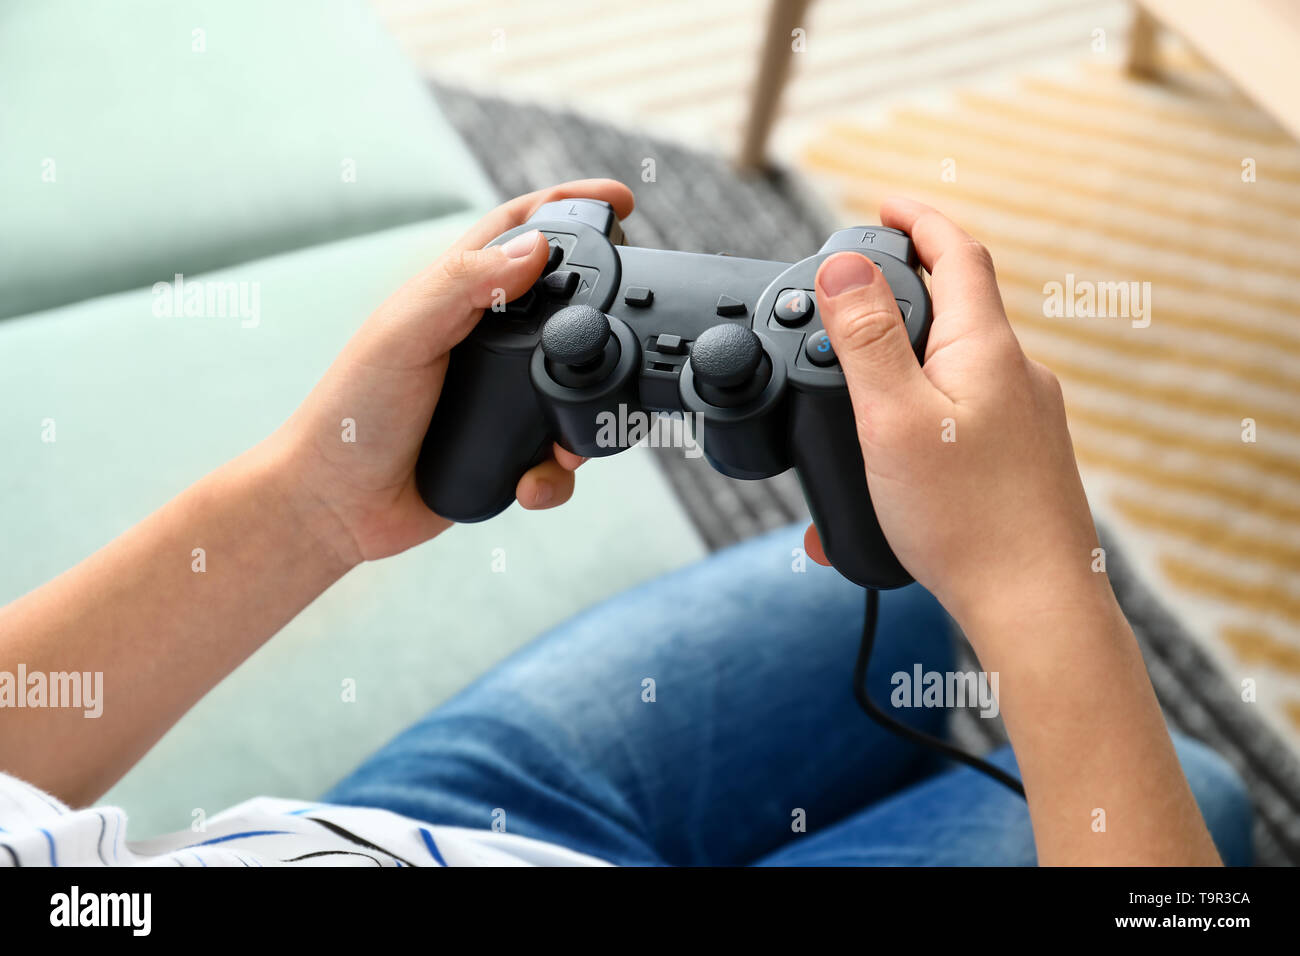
696 203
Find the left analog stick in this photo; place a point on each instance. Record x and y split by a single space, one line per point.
579 347
576 335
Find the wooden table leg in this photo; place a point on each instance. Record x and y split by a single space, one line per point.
773 69
1141 59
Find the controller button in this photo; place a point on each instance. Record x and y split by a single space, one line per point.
819 350
560 285
875 240
592 212
639 297
729 306
522 305
794 307
670 345
554 258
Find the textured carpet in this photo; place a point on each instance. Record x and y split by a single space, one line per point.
684 69
697 204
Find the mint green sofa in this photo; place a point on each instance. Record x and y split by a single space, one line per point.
289 147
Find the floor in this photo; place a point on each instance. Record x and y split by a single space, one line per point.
683 69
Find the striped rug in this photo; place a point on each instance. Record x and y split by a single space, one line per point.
1185 418
683 69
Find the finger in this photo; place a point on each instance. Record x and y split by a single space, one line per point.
545 486
442 304
566 459
867 332
516 211
964 286
812 546
451 293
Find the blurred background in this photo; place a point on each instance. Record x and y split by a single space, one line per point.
687 70
320 152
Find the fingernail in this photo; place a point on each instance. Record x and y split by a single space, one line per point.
545 492
843 273
521 245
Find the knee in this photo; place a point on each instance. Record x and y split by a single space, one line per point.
1220 793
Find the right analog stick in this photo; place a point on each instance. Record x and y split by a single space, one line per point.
729 365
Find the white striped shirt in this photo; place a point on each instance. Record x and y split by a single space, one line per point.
37 829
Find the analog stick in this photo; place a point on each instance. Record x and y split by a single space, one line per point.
576 335
730 365
726 356
579 347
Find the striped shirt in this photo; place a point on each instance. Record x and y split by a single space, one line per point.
37 829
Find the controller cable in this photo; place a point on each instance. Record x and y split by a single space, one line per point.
899 728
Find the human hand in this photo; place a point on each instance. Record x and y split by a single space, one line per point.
360 497
968 456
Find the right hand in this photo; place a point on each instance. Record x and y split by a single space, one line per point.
996 512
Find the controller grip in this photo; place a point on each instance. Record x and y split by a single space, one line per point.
487 430
828 461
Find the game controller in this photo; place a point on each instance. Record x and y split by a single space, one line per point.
609 329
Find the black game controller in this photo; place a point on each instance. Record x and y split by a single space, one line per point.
611 330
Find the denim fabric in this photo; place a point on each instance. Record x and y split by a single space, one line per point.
752 729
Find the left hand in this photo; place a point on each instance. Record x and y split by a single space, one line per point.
361 496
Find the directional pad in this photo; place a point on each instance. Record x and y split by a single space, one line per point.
522 305
554 258
560 285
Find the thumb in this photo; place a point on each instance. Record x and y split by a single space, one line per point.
867 331
440 306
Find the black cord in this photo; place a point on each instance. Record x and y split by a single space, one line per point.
890 724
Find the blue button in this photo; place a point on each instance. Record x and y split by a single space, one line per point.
819 350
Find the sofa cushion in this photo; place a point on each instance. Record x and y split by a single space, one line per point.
141 405
147 138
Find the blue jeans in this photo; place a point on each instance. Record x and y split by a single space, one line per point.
708 718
